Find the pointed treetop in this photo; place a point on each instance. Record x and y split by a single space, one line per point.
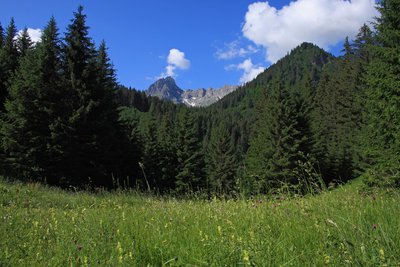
103 47
102 55
347 49
1 36
364 36
50 47
80 9
50 33
78 23
80 52
105 67
364 39
11 32
24 42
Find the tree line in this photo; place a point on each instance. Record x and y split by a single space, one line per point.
309 120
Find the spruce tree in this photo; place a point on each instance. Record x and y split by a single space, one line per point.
151 158
32 108
190 170
275 151
80 55
221 161
119 156
96 151
167 149
19 129
53 97
2 156
133 150
347 48
336 117
383 98
364 39
92 110
8 61
1 36
24 43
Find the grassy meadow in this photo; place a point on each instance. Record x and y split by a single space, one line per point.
42 226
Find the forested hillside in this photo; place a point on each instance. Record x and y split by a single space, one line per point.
307 121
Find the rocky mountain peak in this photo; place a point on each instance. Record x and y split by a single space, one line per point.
166 88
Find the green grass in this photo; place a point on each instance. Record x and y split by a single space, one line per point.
42 226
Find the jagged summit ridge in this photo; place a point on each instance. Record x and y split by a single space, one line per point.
166 88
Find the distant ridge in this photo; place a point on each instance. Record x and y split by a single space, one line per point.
166 88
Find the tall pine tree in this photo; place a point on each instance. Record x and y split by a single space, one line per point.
32 108
1 36
336 117
92 127
190 172
152 154
383 97
24 43
8 61
168 149
275 152
2 156
221 161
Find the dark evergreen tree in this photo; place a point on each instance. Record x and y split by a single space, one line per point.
2 99
19 126
32 109
347 48
190 172
92 125
364 39
168 158
118 156
80 69
152 154
383 98
275 151
8 61
24 43
221 161
1 36
52 100
130 120
336 117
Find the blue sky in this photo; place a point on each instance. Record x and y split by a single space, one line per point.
202 43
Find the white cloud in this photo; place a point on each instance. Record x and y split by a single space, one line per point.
233 50
322 22
250 71
35 34
176 60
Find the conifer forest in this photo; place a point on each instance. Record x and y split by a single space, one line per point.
311 119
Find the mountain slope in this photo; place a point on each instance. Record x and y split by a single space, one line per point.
302 65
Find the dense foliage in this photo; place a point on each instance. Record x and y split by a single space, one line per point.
307 120
60 121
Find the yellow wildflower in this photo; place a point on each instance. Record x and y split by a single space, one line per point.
246 258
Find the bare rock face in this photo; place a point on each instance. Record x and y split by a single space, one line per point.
166 88
205 97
